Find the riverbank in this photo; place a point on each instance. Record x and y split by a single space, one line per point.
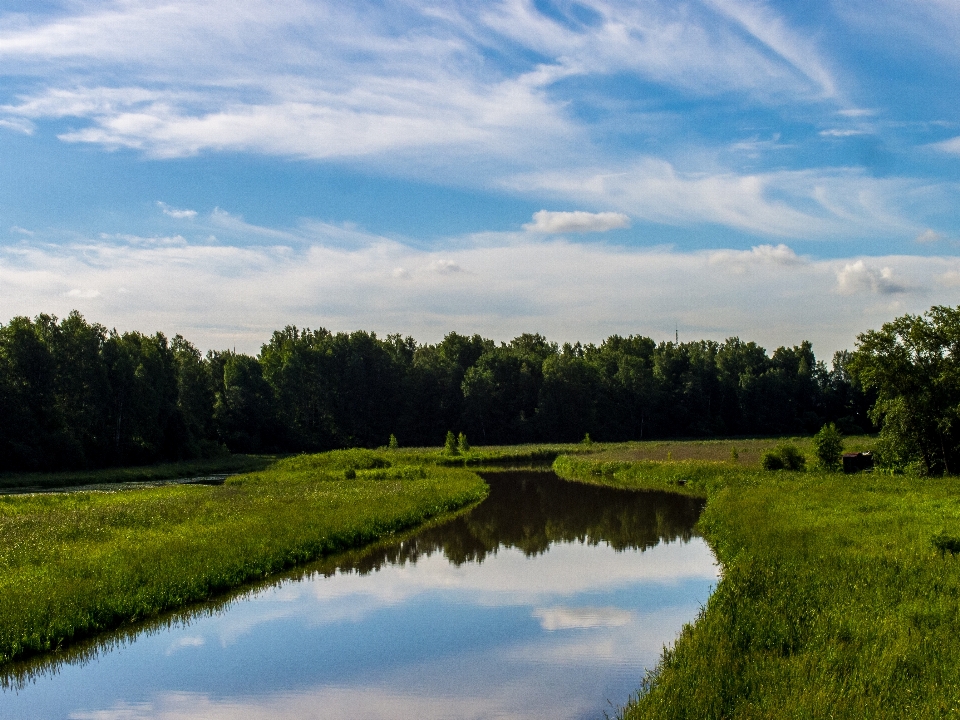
836 600
75 564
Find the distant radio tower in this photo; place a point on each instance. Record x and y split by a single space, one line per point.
676 334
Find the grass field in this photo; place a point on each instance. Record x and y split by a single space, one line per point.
74 564
840 596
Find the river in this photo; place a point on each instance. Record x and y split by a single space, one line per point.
547 600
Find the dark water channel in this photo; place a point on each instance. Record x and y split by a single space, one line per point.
547 600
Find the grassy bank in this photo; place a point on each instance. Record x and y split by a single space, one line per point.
490 456
75 564
836 600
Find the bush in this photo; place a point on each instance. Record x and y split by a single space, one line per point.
785 457
771 460
462 444
828 447
450 444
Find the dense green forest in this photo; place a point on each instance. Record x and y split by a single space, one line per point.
75 395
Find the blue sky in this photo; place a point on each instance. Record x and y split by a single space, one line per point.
773 170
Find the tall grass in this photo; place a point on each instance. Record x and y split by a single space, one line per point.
840 597
74 564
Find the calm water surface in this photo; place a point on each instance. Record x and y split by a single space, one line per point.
548 600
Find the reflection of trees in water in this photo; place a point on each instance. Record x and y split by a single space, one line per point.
528 510
531 510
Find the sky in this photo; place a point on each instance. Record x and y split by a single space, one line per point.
776 171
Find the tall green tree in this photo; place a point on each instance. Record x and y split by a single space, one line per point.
913 364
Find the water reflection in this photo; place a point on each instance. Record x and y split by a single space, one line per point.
530 510
546 600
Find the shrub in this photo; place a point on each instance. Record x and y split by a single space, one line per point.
785 457
828 447
462 444
450 444
393 444
771 460
946 543
793 458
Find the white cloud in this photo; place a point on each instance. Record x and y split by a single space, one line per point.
545 221
856 112
83 294
326 80
842 133
765 254
175 212
858 277
951 146
951 278
412 90
445 267
17 124
929 236
764 24
221 295
799 204
22 231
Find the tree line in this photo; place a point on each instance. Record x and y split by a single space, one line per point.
75 395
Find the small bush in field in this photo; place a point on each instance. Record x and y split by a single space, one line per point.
450 444
785 457
828 447
771 460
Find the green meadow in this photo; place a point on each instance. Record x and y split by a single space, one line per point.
839 597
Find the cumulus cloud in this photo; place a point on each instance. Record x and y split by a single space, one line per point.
445 267
579 221
858 277
176 212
